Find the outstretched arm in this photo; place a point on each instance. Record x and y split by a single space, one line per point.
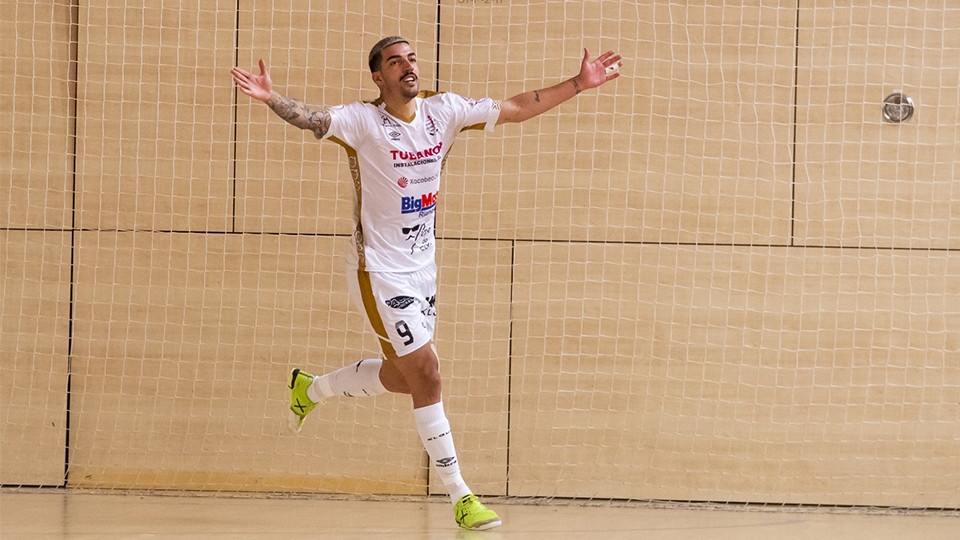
260 87
592 74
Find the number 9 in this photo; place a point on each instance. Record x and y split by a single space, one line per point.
404 331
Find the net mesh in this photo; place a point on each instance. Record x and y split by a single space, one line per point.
722 277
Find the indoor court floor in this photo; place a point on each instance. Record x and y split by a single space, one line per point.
49 514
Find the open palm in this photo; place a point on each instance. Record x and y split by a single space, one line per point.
256 86
594 72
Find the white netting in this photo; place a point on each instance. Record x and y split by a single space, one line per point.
721 277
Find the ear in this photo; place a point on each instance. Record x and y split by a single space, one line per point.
377 78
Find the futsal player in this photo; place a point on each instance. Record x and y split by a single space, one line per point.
396 146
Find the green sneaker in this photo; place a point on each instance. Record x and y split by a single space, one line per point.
471 514
300 404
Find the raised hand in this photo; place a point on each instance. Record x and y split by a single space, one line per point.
256 86
599 70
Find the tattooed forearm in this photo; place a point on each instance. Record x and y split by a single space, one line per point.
301 115
576 85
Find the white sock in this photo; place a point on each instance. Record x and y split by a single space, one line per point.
434 429
360 379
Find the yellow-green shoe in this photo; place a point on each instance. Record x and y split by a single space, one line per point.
300 404
471 514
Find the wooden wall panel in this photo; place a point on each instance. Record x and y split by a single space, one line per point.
691 144
862 181
736 374
34 321
35 124
154 126
632 366
183 348
286 179
187 340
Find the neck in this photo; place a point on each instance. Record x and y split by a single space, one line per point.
401 107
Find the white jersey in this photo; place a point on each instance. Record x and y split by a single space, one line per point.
396 167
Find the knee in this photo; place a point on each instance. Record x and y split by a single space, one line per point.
429 377
423 375
422 370
416 373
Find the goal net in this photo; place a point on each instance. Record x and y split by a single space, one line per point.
729 275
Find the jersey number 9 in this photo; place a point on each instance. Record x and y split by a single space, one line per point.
404 331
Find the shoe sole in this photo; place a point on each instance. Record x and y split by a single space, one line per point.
293 423
484 526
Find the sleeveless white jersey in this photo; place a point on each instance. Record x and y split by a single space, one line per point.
395 167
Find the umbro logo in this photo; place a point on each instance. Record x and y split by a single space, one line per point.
446 462
390 128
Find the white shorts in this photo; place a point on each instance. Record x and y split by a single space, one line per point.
400 306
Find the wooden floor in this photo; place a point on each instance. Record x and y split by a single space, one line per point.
36 514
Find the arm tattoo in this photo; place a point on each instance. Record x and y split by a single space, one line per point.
576 85
536 95
300 115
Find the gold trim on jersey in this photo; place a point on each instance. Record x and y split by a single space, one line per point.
363 277
373 314
424 94
354 162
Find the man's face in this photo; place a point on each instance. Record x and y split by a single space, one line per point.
398 71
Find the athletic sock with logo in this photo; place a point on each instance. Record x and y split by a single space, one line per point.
355 380
434 429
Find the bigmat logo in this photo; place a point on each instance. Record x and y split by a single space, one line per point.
422 204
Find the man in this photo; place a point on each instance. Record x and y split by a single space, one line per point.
396 146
